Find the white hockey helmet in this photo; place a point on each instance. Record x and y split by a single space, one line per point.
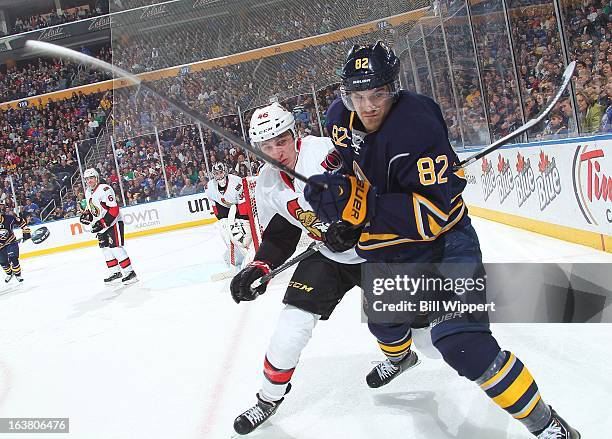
269 122
91 172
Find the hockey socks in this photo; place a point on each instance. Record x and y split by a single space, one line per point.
510 385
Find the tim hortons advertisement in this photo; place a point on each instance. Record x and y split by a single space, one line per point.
150 216
592 178
568 184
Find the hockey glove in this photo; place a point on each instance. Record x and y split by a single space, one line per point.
347 198
25 236
241 283
341 236
98 226
86 218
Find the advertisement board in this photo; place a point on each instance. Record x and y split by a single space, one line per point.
567 184
142 219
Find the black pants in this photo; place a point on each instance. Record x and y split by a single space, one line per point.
318 284
113 236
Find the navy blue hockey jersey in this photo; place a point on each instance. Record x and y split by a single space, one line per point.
410 161
7 224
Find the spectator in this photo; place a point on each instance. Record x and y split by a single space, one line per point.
589 113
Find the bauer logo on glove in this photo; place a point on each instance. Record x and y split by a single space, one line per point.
348 198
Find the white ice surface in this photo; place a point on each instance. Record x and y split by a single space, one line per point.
174 357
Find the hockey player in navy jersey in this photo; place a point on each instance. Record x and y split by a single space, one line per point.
397 184
320 281
9 245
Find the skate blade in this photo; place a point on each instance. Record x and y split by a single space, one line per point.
130 282
113 283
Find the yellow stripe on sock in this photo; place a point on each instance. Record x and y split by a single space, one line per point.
527 410
517 389
502 372
402 347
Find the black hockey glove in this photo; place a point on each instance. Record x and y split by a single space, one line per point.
86 218
241 283
25 236
98 226
341 236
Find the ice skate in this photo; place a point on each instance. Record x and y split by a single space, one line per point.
257 415
557 428
130 278
387 370
112 278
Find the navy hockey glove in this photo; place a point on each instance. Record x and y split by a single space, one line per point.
341 236
241 283
86 218
98 226
25 236
347 198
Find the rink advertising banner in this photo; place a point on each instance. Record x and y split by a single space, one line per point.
141 219
477 294
566 184
69 33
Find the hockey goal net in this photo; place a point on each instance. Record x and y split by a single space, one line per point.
249 184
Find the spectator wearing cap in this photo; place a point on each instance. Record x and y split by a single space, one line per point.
555 127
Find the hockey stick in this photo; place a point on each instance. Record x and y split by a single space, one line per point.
312 249
64 52
567 76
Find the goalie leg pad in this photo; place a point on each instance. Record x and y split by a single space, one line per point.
292 334
239 233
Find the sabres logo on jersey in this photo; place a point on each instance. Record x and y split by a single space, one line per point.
339 136
307 218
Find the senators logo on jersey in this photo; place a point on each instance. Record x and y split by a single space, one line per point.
308 219
93 208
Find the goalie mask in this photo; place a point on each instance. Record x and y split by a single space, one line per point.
270 122
219 172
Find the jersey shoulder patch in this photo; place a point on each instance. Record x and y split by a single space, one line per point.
332 162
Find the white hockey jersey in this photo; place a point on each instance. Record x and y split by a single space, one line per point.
101 200
276 193
232 193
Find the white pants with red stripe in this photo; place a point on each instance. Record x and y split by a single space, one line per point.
292 334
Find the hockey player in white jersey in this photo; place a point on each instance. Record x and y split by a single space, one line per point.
225 191
103 217
319 281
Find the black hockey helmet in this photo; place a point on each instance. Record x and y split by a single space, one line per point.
369 67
